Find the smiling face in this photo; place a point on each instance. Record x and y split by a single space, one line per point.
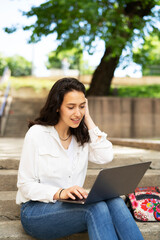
72 109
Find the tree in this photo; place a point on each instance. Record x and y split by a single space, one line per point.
73 56
148 56
3 64
19 66
117 22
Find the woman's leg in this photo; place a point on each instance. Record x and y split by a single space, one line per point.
52 221
125 224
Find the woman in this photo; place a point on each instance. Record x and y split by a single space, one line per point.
53 166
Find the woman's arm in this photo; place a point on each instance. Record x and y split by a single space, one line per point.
87 119
28 184
100 149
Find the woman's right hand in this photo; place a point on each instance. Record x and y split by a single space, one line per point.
72 193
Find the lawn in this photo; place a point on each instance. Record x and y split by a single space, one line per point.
151 91
145 91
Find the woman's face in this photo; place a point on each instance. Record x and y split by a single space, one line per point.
72 109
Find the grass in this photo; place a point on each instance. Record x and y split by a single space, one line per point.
145 91
31 82
38 84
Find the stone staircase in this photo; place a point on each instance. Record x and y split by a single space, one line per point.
10 148
22 110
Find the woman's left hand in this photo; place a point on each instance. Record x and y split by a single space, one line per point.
87 118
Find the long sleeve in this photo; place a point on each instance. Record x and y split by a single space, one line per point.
100 150
28 183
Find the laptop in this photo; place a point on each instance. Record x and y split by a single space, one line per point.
113 182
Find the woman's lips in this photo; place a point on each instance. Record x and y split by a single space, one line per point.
75 121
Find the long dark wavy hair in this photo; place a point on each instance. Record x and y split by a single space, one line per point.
49 116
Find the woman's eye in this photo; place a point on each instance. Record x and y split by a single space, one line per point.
70 108
82 107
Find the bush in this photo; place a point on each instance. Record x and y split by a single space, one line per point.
3 64
137 91
19 66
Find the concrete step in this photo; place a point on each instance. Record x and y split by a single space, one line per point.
12 230
151 178
11 161
10 151
137 143
9 210
8 163
9 179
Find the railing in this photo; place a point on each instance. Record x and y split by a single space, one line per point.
5 102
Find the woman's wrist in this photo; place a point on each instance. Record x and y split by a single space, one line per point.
61 192
57 195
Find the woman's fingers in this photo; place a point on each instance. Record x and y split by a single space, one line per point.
74 192
87 109
82 192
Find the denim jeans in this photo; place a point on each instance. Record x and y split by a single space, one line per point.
105 220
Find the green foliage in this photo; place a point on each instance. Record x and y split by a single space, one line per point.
19 66
137 91
148 56
85 68
73 56
53 61
118 23
83 21
3 64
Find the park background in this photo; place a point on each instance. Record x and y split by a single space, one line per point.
129 106
125 97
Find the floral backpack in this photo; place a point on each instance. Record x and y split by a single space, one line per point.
145 203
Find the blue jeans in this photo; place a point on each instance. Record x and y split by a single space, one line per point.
106 220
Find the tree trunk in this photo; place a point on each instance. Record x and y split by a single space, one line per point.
102 77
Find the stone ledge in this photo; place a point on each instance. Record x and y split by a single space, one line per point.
137 143
9 179
13 230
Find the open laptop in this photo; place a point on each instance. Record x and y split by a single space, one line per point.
113 182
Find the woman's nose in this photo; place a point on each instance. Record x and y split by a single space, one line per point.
77 113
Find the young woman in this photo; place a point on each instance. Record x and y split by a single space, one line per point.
56 151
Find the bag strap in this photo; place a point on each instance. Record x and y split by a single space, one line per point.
145 196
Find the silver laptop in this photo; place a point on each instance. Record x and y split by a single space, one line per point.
113 182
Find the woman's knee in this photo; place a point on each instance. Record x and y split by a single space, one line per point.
116 202
98 210
117 207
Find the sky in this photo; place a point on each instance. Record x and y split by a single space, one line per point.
17 42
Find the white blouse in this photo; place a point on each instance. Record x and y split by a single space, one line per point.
45 166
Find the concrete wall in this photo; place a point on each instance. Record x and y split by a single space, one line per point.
126 117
